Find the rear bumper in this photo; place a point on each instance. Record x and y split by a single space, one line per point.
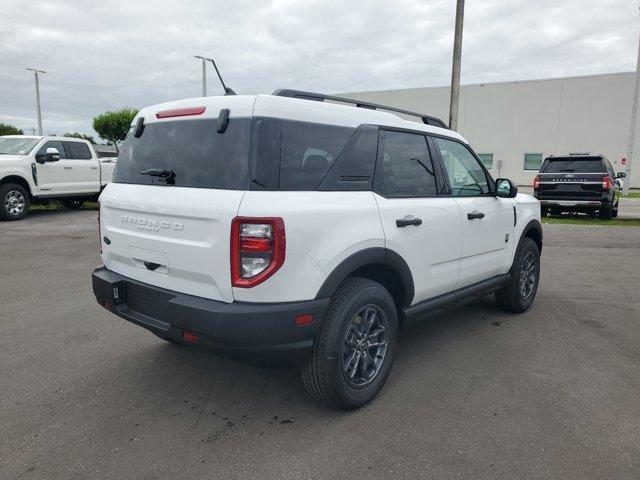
572 203
259 333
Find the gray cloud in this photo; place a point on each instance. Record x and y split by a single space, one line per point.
115 53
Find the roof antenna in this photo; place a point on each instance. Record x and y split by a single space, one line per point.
227 90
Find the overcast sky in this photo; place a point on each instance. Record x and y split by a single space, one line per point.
114 53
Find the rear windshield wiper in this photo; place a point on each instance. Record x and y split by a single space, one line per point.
163 173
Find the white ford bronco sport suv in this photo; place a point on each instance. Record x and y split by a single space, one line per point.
38 169
297 228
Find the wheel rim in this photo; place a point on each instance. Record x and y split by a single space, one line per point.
14 202
528 274
364 347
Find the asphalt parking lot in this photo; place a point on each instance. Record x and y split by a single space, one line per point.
552 393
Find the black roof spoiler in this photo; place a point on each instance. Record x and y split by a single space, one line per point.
320 97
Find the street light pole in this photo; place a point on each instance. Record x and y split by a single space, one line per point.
204 74
36 72
455 69
632 126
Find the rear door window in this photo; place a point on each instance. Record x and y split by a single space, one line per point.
193 150
406 169
308 150
574 166
78 150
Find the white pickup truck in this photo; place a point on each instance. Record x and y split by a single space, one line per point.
38 169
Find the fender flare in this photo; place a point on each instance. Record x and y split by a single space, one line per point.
531 225
369 256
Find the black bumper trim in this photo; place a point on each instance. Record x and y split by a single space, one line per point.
263 333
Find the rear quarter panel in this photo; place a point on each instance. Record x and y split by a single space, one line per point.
322 229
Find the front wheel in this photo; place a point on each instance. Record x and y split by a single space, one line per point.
518 294
15 202
355 347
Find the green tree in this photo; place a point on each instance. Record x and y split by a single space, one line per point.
6 129
113 126
80 135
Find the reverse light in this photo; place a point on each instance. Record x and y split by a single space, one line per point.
606 183
257 249
536 182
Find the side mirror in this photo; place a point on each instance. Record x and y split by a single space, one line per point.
505 189
621 175
52 155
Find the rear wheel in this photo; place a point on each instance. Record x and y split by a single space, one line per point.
355 347
606 213
15 202
518 295
544 211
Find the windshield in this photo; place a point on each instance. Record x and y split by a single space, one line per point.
17 146
578 166
187 153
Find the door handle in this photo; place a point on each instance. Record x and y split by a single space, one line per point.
406 221
66 167
475 215
94 168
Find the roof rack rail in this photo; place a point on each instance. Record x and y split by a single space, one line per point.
320 97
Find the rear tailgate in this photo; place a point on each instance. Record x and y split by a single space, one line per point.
570 186
175 238
178 183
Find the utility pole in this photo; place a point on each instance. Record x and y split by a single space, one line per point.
632 126
455 69
204 73
36 72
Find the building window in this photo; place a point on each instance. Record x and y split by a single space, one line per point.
486 159
532 161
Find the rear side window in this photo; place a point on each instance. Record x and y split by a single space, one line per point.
78 150
193 150
307 152
574 165
406 169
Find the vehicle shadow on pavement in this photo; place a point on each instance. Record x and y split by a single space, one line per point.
204 391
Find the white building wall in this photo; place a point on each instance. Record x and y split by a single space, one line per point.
552 117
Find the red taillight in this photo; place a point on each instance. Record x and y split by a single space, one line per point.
606 183
536 182
257 249
181 112
99 229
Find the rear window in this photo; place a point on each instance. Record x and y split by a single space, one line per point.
193 150
570 166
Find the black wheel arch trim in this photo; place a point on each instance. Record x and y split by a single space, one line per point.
363 258
531 225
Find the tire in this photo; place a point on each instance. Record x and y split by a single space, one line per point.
614 210
14 201
606 213
512 297
72 203
544 211
338 373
